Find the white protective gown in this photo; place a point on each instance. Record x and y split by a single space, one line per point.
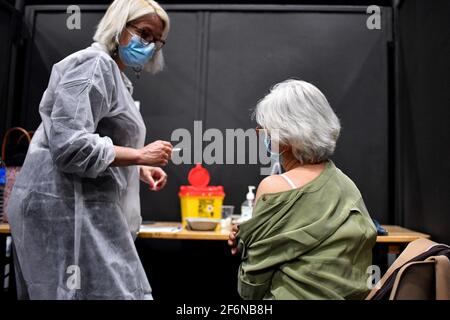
74 217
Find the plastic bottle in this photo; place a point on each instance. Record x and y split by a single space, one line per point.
2 184
247 205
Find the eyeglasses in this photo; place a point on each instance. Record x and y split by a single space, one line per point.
260 130
145 37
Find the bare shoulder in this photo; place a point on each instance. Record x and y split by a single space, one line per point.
272 184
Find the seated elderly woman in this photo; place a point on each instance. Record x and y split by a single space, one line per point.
310 236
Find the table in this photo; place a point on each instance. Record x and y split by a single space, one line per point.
396 234
393 243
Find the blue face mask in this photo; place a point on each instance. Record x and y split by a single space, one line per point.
277 157
136 54
268 145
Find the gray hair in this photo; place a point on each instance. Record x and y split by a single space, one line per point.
302 119
119 13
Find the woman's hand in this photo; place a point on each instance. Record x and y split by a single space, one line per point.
155 177
232 242
157 153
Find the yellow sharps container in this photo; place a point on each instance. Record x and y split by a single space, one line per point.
198 200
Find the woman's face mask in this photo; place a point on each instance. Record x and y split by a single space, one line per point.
136 54
276 157
268 145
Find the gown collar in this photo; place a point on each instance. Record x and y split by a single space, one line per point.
126 80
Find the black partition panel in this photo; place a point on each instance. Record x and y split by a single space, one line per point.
249 52
221 60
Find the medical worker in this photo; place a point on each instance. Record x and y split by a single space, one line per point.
75 209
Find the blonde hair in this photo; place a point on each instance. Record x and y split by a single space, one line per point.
119 13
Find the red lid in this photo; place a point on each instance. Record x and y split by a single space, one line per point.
198 176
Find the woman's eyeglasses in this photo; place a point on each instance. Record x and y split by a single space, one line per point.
260 130
147 37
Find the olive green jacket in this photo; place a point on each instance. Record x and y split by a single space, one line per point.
314 242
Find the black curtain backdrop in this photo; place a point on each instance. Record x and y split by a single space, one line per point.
424 116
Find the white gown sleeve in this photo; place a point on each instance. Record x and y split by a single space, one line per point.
78 106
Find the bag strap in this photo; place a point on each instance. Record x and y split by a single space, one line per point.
25 134
400 274
442 272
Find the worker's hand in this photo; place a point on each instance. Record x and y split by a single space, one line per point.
155 177
232 242
157 153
